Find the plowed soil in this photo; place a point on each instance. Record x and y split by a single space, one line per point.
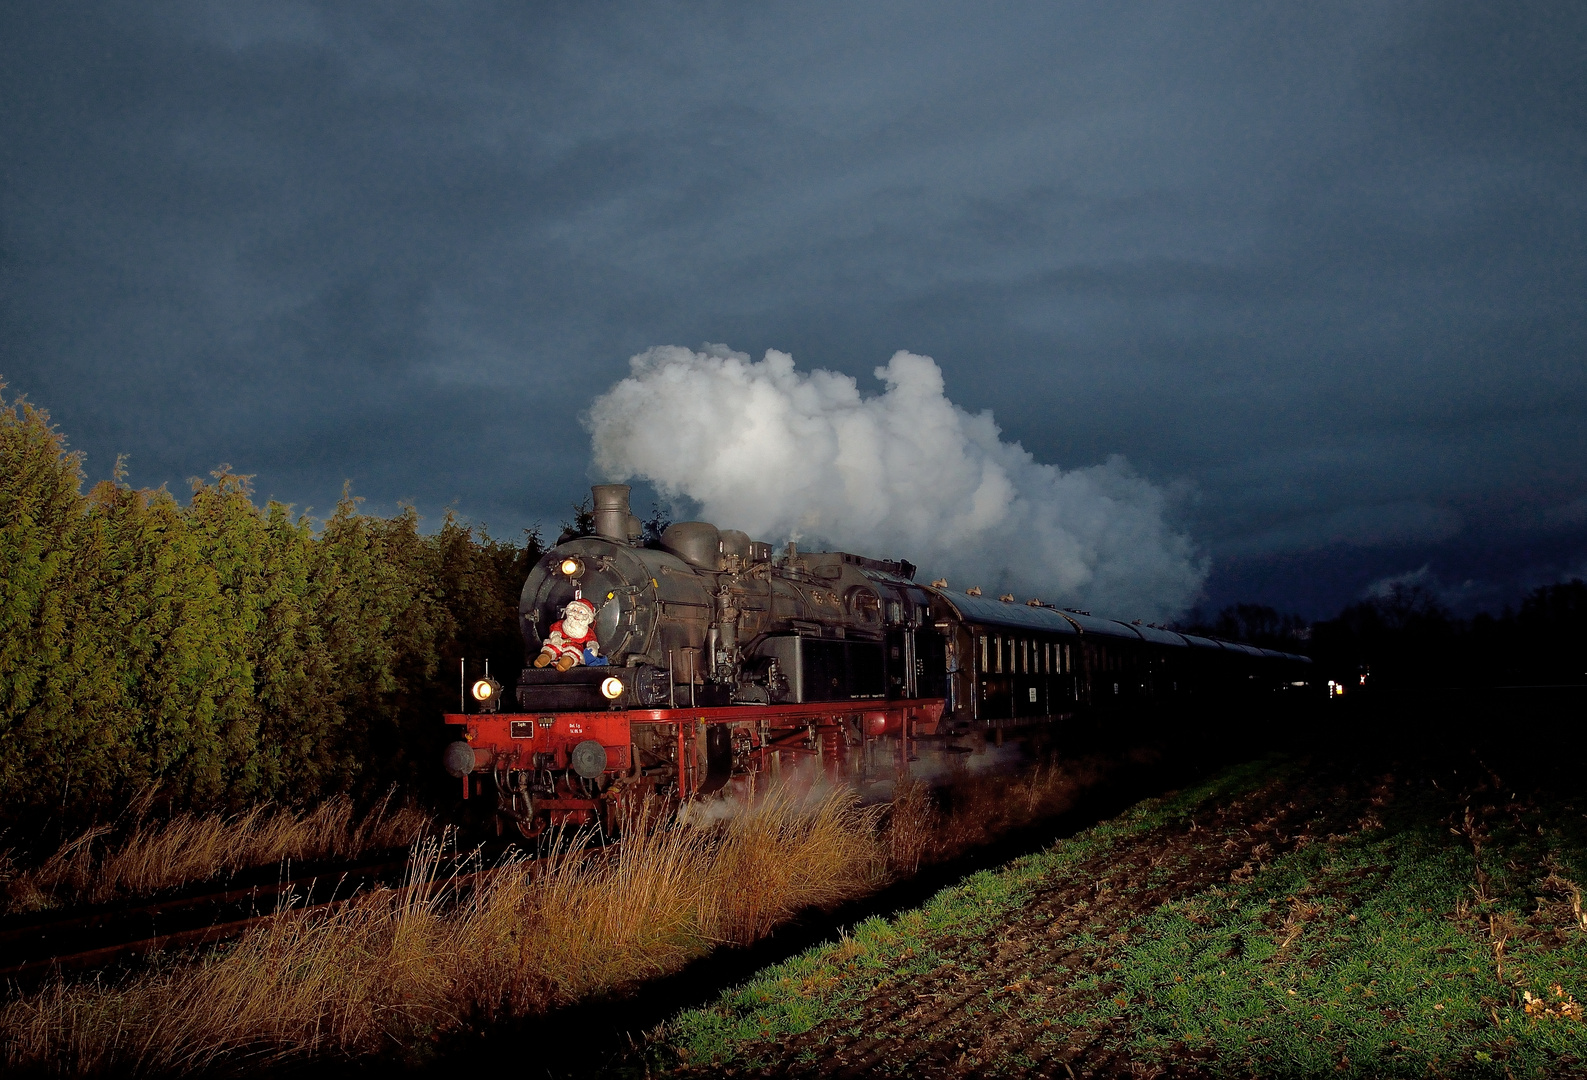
1040 972
990 996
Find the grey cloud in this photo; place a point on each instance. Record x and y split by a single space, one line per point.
1325 267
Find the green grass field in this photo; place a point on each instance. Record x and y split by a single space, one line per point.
1290 918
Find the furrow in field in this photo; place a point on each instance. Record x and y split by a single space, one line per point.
1005 998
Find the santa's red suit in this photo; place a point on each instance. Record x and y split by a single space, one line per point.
563 646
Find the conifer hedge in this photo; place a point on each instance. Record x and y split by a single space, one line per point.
220 653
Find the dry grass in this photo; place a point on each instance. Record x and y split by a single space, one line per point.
396 966
914 826
974 810
148 855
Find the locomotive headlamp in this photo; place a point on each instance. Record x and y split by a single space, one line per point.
487 692
612 687
572 567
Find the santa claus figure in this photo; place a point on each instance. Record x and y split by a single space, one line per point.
572 638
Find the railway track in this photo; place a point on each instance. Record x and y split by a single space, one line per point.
34 948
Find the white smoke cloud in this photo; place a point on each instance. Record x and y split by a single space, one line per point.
784 454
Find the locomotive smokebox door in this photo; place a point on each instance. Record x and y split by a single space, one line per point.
588 759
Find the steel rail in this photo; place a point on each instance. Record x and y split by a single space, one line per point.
47 944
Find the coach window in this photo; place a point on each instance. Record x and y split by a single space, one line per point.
997 647
983 654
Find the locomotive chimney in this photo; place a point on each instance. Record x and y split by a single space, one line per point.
612 517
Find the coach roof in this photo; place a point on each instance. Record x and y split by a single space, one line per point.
986 612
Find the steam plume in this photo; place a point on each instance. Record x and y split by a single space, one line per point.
784 454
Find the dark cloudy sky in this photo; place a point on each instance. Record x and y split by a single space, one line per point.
1321 266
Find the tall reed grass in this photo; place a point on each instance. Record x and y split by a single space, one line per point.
147 855
396 966
453 947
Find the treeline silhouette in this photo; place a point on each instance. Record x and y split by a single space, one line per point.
1406 639
220 653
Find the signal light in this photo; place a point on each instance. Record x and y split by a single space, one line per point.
612 687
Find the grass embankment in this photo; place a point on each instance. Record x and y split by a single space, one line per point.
1280 921
395 970
144 856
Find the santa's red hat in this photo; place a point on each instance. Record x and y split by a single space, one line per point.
584 606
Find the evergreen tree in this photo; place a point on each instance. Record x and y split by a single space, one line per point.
219 653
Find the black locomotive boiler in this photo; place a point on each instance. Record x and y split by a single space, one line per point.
710 656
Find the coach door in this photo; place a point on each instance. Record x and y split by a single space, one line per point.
931 663
995 692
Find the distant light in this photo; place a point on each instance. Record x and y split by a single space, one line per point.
612 687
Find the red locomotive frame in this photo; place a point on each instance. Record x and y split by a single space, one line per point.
515 746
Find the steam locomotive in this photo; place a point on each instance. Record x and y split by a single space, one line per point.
714 658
